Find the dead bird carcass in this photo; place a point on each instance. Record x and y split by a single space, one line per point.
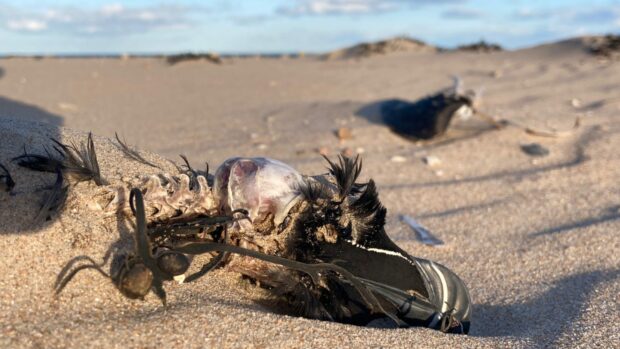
336 220
429 117
316 243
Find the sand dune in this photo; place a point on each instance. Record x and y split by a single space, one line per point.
535 239
363 50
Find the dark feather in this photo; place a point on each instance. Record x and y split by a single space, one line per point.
334 300
81 163
304 302
295 294
193 174
42 163
313 191
189 171
369 214
133 154
344 302
55 200
6 181
346 172
366 211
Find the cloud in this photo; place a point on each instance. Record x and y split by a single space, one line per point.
351 7
597 15
530 14
110 19
462 13
29 25
570 15
570 21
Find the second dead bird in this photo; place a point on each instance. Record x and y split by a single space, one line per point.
430 116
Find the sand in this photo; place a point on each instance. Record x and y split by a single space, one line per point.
535 239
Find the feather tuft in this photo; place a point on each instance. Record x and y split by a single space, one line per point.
80 163
346 172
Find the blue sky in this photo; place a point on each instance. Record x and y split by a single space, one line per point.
239 26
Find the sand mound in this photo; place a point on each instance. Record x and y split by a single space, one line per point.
193 57
364 50
571 49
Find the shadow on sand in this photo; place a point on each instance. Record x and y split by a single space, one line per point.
610 214
579 157
546 317
30 186
462 209
24 111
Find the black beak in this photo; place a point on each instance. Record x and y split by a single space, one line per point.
420 292
448 295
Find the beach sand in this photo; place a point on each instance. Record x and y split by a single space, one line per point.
535 239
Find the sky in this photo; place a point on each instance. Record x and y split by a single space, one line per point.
289 26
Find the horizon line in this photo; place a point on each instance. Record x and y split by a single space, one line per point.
297 53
